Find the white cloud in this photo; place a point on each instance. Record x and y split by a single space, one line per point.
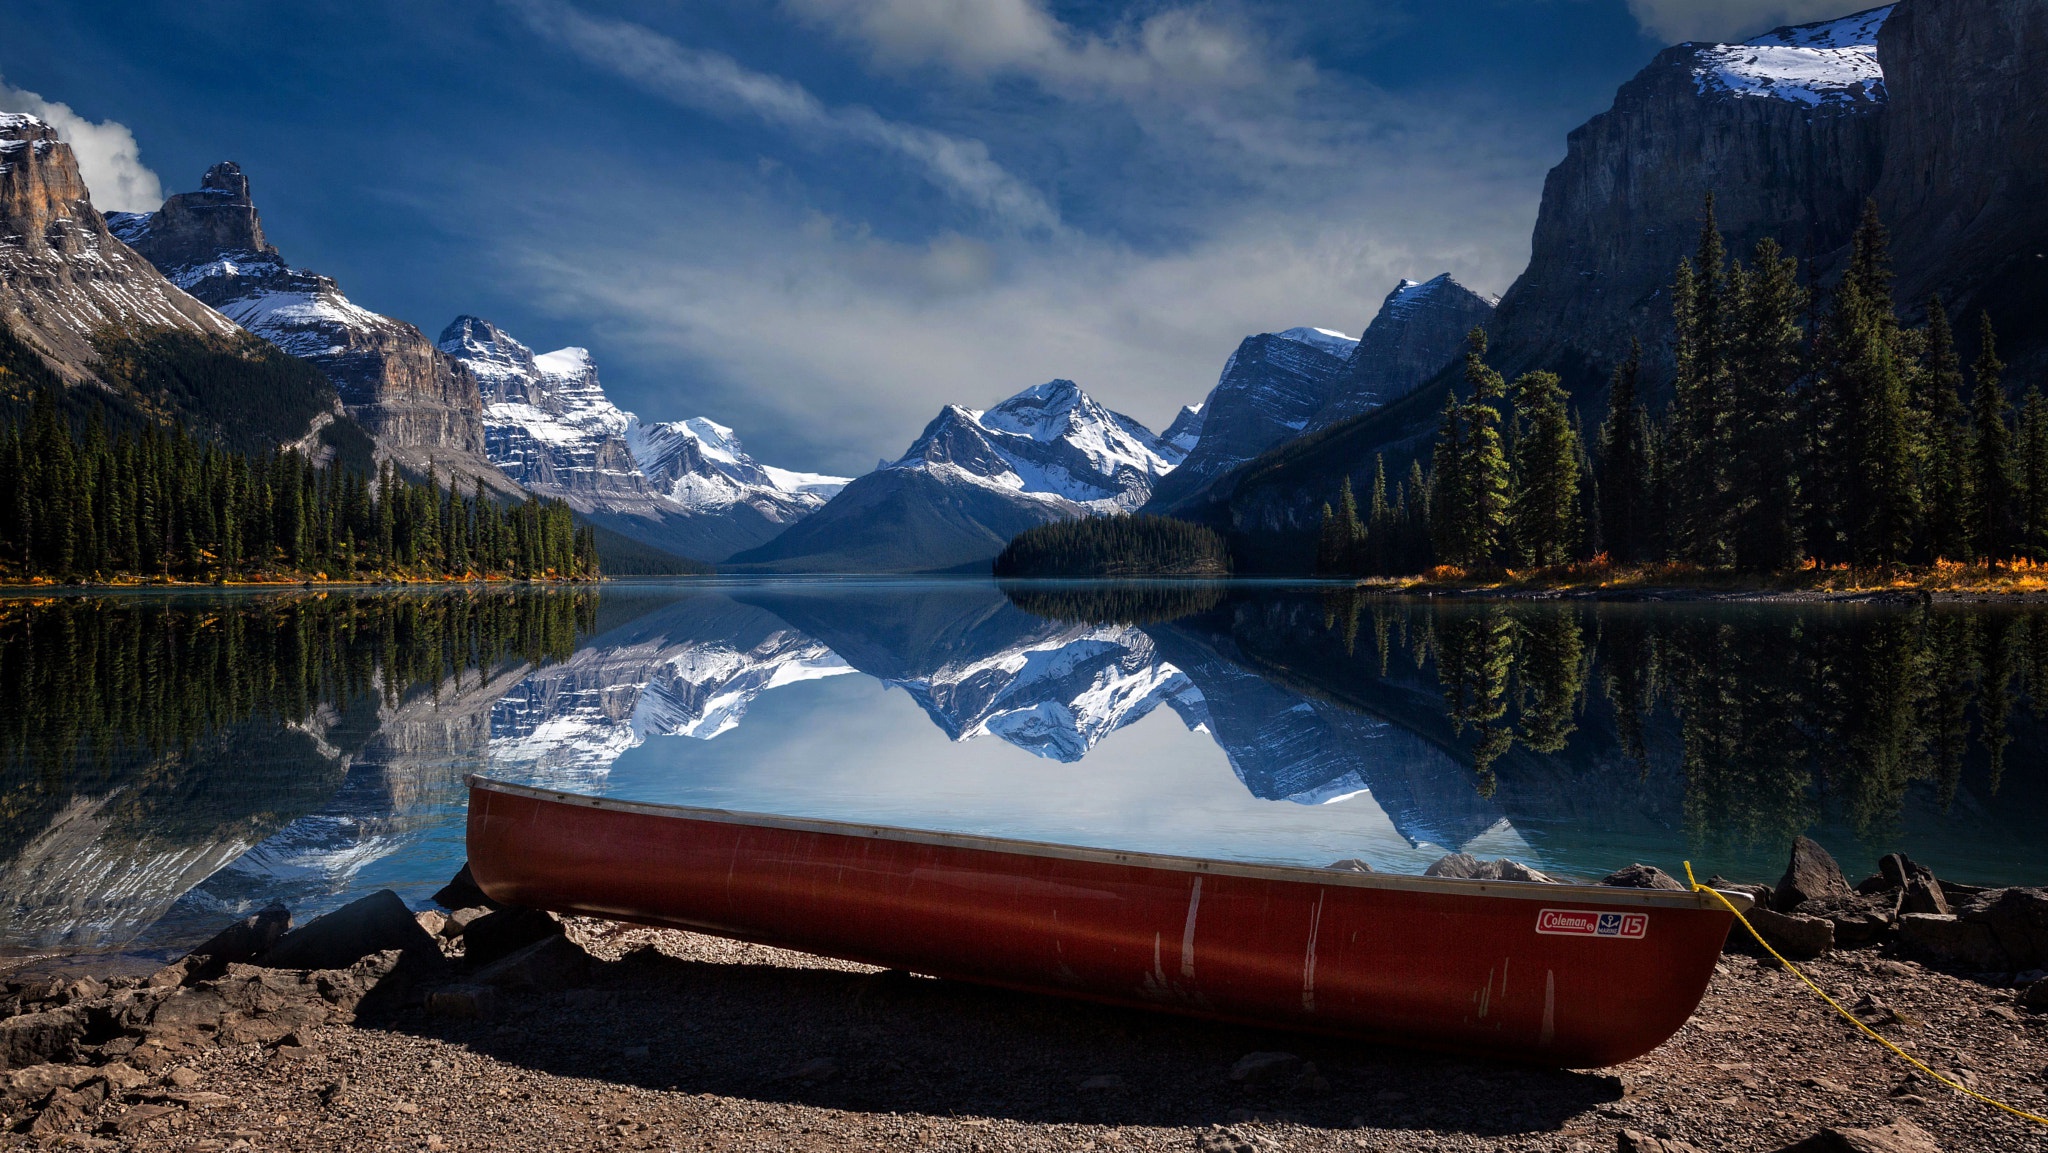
107 156
714 83
1732 20
1176 49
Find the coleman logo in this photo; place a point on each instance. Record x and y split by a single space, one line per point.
1587 923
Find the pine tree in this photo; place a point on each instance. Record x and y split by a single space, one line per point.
1546 529
1764 358
2033 476
1994 493
1700 303
1947 488
1473 514
1625 464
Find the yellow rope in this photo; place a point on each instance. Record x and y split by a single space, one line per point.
1850 1017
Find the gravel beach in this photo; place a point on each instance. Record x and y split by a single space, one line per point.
673 1040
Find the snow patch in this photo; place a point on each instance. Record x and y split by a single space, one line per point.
1832 63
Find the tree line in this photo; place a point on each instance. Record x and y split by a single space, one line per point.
1793 433
84 503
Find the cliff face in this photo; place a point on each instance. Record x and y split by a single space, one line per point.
1419 328
1271 387
1783 159
63 275
1966 162
423 408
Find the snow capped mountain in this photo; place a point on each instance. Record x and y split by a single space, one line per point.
684 485
547 421
1186 428
1051 443
1420 327
1833 62
63 274
975 479
700 463
418 404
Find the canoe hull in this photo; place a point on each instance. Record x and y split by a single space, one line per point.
1558 975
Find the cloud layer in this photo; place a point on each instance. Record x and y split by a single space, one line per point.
1676 21
714 83
107 156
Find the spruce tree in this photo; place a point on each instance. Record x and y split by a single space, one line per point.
1546 529
1994 493
1473 515
2033 476
1947 489
1765 362
1700 302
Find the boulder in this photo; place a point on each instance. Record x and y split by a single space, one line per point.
1898 1137
1919 891
462 892
551 963
35 1082
1811 875
458 922
1945 939
36 1038
1465 866
243 941
1641 876
1795 936
2017 920
2036 996
338 940
1349 865
506 932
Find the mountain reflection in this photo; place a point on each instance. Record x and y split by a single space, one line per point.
179 757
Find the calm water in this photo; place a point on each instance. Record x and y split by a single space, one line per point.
169 760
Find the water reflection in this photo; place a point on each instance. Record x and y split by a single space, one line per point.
170 759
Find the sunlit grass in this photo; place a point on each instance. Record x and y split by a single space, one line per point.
2017 576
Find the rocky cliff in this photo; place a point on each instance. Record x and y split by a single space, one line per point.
1966 162
1279 387
422 407
1787 131
63 275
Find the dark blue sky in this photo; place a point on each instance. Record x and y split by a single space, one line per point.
816 220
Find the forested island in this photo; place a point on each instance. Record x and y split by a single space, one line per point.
1115 546
1802 443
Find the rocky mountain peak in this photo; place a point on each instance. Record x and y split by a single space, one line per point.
63 274
489 352
194 232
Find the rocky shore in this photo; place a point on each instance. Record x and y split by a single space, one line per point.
480 1028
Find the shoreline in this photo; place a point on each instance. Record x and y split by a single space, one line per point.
667 1040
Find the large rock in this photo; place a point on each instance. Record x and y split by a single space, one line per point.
1811 875
462 892
338 940
1465 866
2003 930
38 1038
1640 876
553 963
1795 936
505 932
243 941
1919 891
1897 1137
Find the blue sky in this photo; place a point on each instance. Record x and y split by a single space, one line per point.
819 220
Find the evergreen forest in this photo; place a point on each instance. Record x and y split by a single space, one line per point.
1801 428
80 502
1115 546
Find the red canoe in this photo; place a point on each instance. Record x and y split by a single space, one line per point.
1568 975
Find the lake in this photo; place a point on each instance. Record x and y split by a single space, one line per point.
172 759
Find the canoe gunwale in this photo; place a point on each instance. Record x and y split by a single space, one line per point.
1299 874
